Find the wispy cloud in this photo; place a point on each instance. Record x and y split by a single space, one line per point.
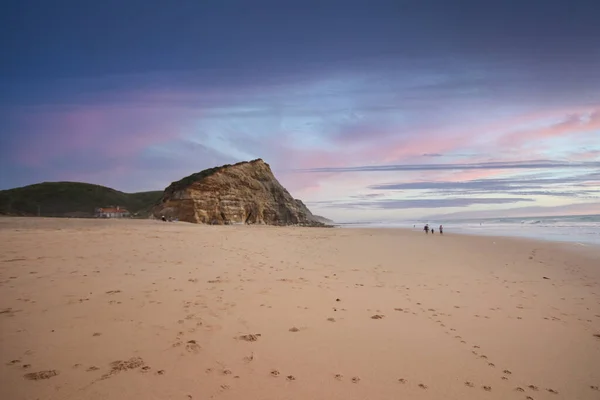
432 155
533 164
449 202
491 184
573 124
527 211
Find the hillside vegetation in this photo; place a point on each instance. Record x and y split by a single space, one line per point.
59 199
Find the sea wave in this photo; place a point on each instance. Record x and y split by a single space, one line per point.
572 228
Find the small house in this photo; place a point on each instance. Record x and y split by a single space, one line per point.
112 212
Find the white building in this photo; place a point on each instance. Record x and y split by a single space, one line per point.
112 212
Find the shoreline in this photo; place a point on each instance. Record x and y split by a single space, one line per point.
488 233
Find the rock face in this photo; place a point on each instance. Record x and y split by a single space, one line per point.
245 192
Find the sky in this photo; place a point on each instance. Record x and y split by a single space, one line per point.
366 110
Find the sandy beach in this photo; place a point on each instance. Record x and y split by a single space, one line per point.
107 309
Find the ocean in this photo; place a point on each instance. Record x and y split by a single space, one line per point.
584 229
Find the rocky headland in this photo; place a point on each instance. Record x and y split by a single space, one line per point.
242 193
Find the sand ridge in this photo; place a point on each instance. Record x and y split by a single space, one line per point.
144 309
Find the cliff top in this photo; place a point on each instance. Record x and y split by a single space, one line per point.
188 180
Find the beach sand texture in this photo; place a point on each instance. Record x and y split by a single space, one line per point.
105 309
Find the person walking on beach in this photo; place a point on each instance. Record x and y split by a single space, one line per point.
432 231
426 228
441 230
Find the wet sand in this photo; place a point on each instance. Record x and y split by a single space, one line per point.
149 310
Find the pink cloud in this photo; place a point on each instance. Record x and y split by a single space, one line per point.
407 149
108 131
586 155
572 124
478 138
544 211
462 176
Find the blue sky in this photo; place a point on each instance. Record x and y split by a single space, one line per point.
364 109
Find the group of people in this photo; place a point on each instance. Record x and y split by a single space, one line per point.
427 229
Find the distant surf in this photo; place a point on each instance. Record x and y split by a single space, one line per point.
582 229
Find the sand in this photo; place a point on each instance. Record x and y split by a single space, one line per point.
106 309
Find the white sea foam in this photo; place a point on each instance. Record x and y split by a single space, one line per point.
580 229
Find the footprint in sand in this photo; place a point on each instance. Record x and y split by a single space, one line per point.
192 347
402 381
487 388
533 387
519 389
290 378
491 365
469 384
355 379
13 362
339 377
507 372
119 366
331 319
250 337
422 386
92 368
36 376
552 391
26 366
274 373
377 316
294 329
529 398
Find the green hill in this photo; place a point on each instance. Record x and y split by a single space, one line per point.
60 199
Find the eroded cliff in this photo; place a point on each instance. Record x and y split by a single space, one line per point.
245 192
